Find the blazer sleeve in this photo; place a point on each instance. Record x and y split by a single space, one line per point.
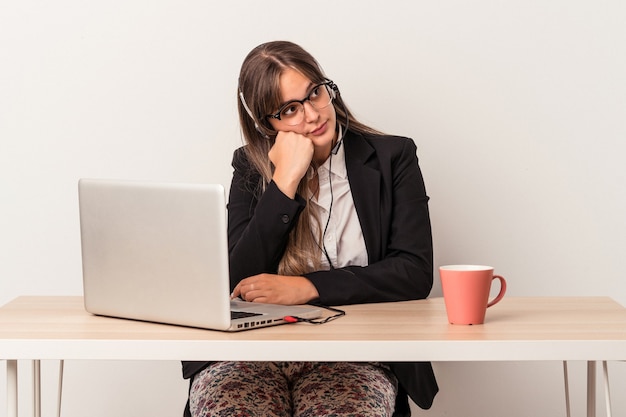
258 228
399 240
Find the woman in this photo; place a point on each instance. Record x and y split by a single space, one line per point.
322 210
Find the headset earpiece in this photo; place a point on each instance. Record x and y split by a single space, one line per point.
334 89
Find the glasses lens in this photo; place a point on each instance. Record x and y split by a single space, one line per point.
319 97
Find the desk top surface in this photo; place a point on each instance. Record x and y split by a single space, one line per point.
518 328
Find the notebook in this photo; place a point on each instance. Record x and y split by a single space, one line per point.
158 252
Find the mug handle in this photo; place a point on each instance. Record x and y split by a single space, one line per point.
502 290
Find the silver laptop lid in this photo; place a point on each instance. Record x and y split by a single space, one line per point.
155 251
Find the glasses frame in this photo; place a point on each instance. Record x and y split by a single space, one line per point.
328 84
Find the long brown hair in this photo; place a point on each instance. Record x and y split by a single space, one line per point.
259 95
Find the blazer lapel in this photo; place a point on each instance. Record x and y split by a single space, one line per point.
364 178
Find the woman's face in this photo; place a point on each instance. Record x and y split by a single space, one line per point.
317 124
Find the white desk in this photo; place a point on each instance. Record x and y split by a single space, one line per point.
517 329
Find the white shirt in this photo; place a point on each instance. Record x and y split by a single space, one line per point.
343 240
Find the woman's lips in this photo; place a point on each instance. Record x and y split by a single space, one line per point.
320 130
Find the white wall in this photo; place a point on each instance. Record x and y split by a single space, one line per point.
518 109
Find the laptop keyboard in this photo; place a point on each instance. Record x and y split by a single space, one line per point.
242 314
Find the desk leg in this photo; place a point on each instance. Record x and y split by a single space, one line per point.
607 389
568 412
60 391
591 389
11 388
37 388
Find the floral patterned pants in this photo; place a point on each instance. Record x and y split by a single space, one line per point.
302 389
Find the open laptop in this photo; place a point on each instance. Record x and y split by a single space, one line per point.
159 252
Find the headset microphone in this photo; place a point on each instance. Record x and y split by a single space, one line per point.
341 135
256 125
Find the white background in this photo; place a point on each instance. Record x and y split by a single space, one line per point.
518 109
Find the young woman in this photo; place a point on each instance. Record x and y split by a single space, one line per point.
325 210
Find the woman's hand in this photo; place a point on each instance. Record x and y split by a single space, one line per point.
291 155
276 289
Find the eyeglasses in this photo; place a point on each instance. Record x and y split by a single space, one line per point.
292 113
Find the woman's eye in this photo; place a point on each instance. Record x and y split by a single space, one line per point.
289 110
315 92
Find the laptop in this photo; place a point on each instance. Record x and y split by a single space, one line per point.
158 252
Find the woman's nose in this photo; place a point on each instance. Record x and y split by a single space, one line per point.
310 112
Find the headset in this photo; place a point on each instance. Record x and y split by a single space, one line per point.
333 93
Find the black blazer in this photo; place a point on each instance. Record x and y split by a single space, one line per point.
392 206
